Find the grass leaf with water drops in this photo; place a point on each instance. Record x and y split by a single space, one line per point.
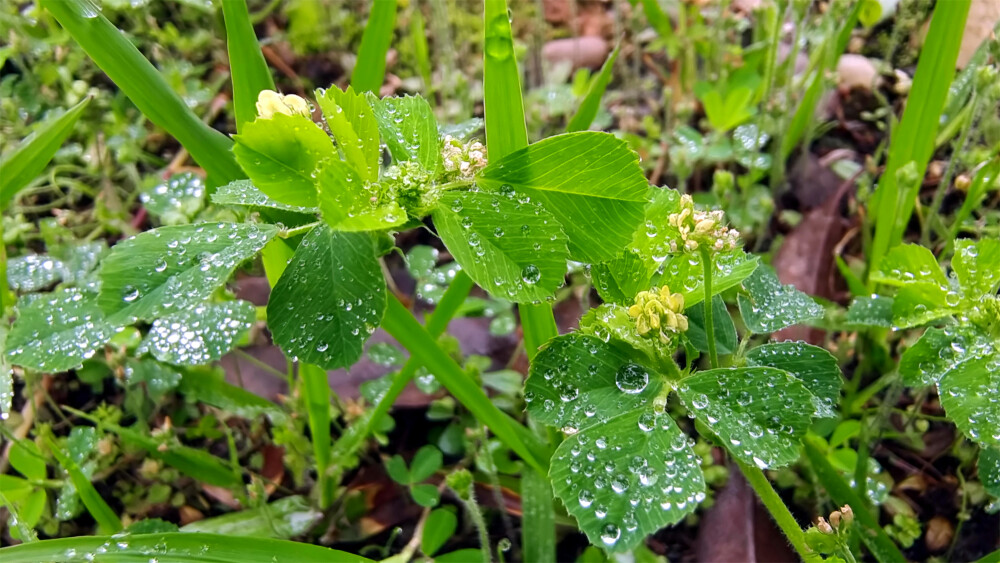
282 519
210 387
170 269
759 413
591 182
969 396
23 164
771 306
56 331
281 156
6 376
815 367
977 267
333 287
201 334
510 246
352 123
409 130
348 203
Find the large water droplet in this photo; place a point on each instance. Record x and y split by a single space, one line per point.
631 378
531 274
610 534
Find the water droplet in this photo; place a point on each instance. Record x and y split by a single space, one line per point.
610 534
631 378
531 274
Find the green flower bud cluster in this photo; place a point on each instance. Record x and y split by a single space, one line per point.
659 312
701 229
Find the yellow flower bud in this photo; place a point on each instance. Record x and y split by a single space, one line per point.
270 103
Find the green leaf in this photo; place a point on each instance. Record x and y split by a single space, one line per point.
627 477
771 306
909 263
329 300
725 331
425 495
918 303
32 508
81 260
201 334
352 123
591 182
427 460
34 272
348 203
210 388
685 274
503 106
652 239
585 114
56 331
510 246
177 200
244 193
282 519
875 310
577 377
969 396
115 54
622 278
759 413
989 470
977 266
246 62
281 156
6 376
170 269
178 546
538 530
439 526
409 130
159 379
612 321
369 69
937 351
106 518
460 556
395 466
23 164
815 367
27 459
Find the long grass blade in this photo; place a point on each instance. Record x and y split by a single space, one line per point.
587 111
249 71
106 518
913 138
503 105
174 546
316 392
539 538
418 32
147 89
26 162
369 71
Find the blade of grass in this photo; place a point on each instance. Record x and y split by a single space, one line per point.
106 519
249 71
23 164
369 70
175 546
400 323
315 388
873 535
147 89
539 538
418 32
913 139
587 111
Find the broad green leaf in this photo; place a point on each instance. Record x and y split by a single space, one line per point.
201 334
685 274
15 488
34 272
32 508
246 62
969 396
510 246
578 381
759 413
621 279
427 460
175 201
725 331
159 378
27 459
23 164
870 311
627 477
281 155
652 239
919 303
909 263
426 495
244 193
977 266
210 388
369 69
282 519
170 269
353 125
938 350
56 331
587 111
395 466
612 321
438 529
989 470
591 182
81 260
329 300
409 130
349 203
815 367
771 306
176 546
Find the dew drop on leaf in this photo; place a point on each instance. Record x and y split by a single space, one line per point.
531 274
631 378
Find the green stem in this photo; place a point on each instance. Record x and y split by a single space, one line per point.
778 510
400 323
300 230
706 261
538 324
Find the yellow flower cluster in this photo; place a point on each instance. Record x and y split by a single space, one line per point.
660 311
270 103
701 228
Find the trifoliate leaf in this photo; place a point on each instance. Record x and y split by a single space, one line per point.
771 306
201 334
969 397
409 129
939 350
348 203
353 125
977 266
510 246
329 300
815 367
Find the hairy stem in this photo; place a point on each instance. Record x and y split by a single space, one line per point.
779 512
706 261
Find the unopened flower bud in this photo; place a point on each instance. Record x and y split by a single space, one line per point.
848 514
823 526
962 183
835 519
270 103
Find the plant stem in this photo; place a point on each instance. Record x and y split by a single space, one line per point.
706 262
778 510
538 324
